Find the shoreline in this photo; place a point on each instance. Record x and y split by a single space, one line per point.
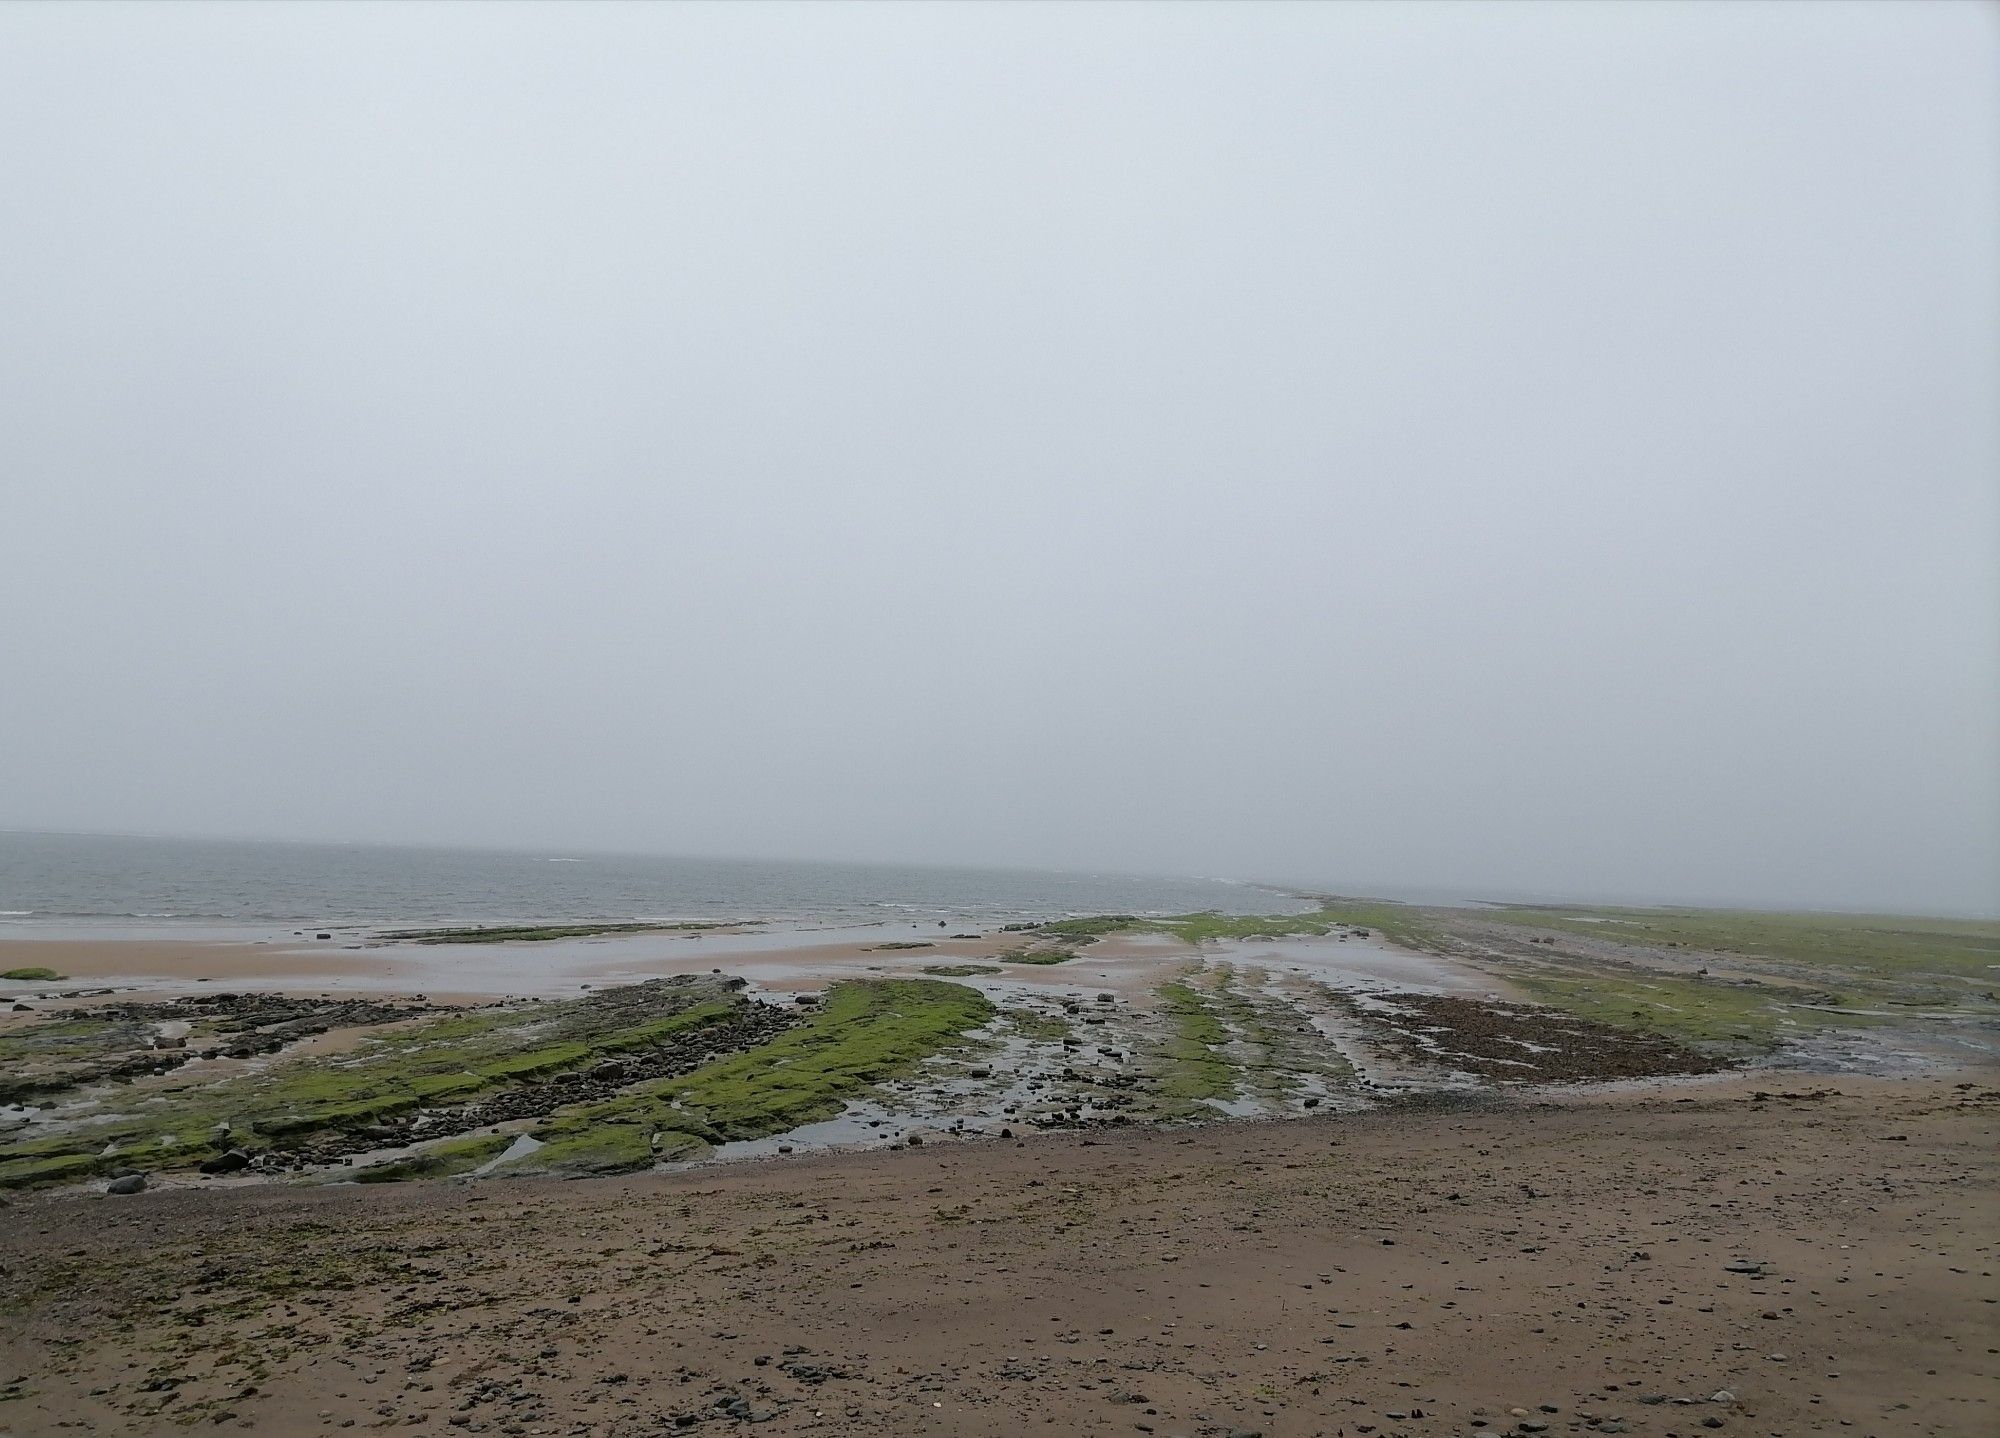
1189 1182
1092 1024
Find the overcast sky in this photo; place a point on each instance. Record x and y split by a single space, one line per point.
1494 448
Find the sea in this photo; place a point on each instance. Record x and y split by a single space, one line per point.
55 884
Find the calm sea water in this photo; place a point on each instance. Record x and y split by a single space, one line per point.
58 880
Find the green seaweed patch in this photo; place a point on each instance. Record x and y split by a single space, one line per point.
616 1147
40 1057
1204 927
31 975
1885 947
1396 922
960 971
434 1063
433 1076
1039 956
1709 1013
1227 1030
1194 1069
1282 1054
1090 930
71 1167
866 1031
1037 1026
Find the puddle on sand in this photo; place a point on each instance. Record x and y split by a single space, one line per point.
1352 964
1372 1075
521 1147
1004 1083
1246 1107
862 1124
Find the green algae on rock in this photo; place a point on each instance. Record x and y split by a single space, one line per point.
866 1031
434 1078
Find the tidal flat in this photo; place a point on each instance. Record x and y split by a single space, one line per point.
1362 1168
651 1046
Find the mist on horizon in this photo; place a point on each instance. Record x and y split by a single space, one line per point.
1509 451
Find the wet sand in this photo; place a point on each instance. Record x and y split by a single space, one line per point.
171 965
782 959
1414 1271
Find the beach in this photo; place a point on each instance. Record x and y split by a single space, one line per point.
1822 1255
1355 1168
1196 720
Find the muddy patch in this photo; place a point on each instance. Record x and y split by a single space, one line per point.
1515 1043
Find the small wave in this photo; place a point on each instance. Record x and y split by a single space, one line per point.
15 913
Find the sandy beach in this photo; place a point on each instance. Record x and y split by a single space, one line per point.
1203 1176
1196 720
1822 1255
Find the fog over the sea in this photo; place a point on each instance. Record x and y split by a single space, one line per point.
1502 449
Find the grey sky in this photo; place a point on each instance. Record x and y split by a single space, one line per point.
1496 448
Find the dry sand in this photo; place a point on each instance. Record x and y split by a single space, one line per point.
1405 1271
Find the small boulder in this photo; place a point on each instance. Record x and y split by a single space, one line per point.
127 1183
